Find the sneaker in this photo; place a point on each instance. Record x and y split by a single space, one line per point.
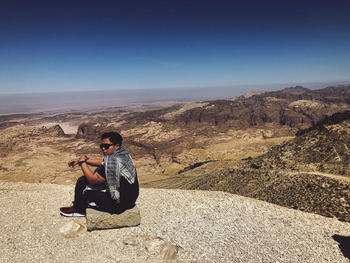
70 212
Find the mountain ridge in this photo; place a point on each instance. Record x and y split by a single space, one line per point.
294 174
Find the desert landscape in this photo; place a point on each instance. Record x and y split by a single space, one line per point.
289 148
236 115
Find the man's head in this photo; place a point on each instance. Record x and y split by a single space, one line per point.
110 141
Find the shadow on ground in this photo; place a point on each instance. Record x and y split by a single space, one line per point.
344 244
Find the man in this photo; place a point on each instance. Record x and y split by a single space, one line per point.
115 172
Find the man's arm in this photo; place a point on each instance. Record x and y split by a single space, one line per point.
83 161
93 178
94 162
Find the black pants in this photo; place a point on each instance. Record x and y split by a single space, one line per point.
103 200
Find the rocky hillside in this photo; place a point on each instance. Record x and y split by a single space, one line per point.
310 172
332 94
324 147
308 192
296 107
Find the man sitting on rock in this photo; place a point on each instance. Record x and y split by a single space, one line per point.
115 173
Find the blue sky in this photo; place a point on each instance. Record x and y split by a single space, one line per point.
50 46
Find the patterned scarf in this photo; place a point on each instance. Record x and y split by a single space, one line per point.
119 163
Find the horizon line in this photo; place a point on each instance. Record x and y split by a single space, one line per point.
275 85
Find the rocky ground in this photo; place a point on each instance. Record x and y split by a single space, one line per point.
182 225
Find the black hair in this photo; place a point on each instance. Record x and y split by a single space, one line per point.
114 137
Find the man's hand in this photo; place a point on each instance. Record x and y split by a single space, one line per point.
83 158
72 163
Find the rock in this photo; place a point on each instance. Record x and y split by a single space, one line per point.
56 131
268 134
102 220
53 131
154 245
168 252
162 248
71 229
89 130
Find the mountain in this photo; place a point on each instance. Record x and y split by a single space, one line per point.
296 107
310 172
324 147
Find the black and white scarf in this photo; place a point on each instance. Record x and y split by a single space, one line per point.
119 163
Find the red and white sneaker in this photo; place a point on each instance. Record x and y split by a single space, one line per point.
70 212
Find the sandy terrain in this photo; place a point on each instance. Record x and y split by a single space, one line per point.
205 227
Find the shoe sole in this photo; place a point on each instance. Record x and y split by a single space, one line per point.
72 215
92 204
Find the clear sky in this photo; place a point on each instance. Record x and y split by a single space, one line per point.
99 45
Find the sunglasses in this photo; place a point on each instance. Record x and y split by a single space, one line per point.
106 146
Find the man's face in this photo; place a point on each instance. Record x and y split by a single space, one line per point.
111 149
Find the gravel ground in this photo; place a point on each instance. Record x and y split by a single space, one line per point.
205 227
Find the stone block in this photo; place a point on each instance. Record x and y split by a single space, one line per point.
101 220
